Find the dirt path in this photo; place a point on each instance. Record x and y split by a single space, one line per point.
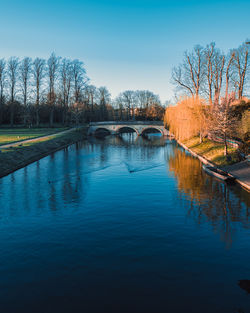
18 143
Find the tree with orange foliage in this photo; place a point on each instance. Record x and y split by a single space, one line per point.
187 118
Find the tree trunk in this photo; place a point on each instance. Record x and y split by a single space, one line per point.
51 117
225 144
24 116
63 115
11 114
1 110
201 138
37 116
25 109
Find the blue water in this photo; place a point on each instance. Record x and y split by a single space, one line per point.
124 224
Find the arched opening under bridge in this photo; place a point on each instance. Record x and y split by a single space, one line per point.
127 130
151 130
102 132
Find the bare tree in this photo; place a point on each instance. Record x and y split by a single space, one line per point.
209 56
143 100
141 104
230 59
181 81
104 98
214 71
25 71
155 112
13 64
241 66
118 102
79 82
218 72
79 78
38 74
91 93
66 73
223 122
189 76
127 99
52 64
64 83
2 85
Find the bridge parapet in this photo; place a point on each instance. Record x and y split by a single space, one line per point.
159 123
114 127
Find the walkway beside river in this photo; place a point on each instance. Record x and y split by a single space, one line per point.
241 171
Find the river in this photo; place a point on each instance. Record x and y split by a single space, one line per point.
122 224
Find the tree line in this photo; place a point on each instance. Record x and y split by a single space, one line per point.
211 102
57 90
210 73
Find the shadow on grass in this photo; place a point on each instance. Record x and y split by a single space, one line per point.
214 151
204 149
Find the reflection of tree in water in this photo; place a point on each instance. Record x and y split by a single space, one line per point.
66 181
72 187
210 200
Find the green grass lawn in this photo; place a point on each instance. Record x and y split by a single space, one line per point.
8 135
212 151
22 154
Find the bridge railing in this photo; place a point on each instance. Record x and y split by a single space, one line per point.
157 123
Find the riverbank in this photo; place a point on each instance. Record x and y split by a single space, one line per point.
17 155
211 153
10 135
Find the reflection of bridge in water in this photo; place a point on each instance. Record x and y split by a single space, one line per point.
131 139
140 127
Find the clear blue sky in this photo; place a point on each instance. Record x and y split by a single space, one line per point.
125 44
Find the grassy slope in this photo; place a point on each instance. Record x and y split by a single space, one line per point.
17 157
8 135
211 150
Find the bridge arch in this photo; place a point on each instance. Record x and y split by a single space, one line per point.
102 130
159 130
118 130
116 127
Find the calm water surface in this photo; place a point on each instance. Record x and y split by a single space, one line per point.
123 224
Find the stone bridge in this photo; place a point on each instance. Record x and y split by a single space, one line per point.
140 127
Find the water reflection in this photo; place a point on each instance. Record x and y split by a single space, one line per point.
62 179
222 205
126 220
127 150
128 139
210 200
41 187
